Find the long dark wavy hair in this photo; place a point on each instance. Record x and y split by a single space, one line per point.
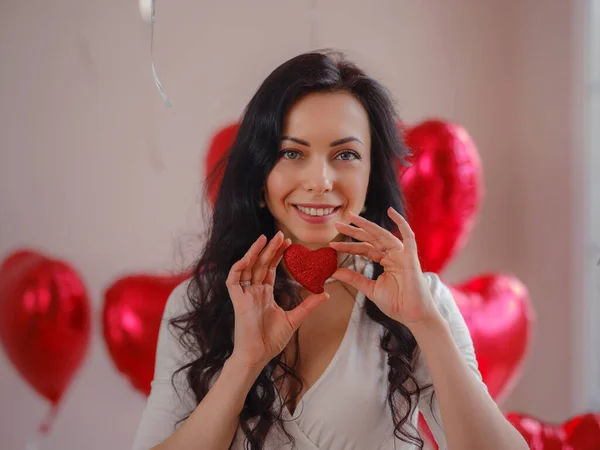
237 220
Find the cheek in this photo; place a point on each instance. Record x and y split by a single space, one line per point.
277 184
356 181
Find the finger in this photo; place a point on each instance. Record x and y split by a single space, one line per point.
260 267
297 315
358 248
252 254
355 232
383 237
233 279
272 269
356 280
408 235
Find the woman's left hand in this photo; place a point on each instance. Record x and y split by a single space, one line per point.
401 292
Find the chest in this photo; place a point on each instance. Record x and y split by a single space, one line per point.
319 339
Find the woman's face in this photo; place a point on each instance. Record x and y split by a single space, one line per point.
324 165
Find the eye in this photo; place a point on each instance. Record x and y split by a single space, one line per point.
283 154
350 155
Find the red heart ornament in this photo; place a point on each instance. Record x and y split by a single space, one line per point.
579 433
443 190
500 318
310 268
133 309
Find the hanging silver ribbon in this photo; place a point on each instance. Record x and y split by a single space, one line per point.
156 80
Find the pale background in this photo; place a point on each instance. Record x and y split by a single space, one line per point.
95 169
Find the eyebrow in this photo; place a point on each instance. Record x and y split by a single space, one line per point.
333 144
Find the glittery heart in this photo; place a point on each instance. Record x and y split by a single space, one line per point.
310 268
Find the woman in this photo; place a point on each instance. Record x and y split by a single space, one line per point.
252 358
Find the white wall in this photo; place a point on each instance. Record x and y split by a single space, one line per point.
547 229
95 169
591 356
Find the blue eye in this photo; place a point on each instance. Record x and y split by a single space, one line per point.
285 152
351 153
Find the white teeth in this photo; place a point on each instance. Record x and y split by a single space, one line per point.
316 212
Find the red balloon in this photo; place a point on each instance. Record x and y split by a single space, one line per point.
425 432
443 190
579 433
131 319
500 318
44 320
219 146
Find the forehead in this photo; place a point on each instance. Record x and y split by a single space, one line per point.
328 116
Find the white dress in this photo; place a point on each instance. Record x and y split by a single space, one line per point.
345 409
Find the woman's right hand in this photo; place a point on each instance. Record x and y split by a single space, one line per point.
262 329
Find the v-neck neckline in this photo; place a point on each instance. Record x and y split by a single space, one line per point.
358 301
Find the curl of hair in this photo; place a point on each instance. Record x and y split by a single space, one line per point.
237 221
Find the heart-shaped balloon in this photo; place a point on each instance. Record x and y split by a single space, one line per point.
579 433
500 318
310 268
218 148
133 309
44 320
443 190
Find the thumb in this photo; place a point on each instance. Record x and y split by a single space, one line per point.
356 280
297 315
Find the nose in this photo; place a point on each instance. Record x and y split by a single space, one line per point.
318 177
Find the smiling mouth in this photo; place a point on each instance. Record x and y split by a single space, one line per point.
320 212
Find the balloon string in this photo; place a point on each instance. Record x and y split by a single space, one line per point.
46 424
156 80
43 429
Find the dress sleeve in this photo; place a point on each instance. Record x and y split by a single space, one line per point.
428 403
165 405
